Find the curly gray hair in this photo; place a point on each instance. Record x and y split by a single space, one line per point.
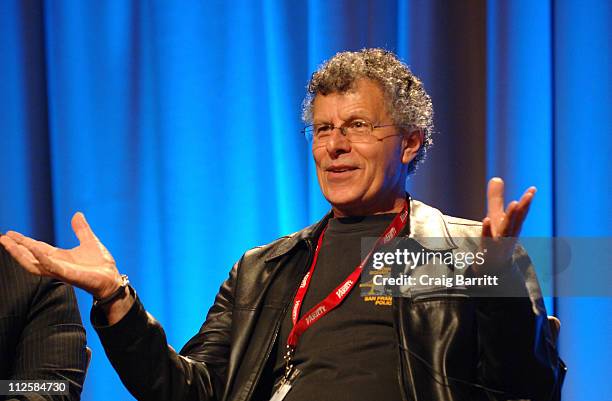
406 99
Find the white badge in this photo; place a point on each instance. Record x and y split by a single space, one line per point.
284 386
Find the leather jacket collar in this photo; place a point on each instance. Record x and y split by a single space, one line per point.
427 226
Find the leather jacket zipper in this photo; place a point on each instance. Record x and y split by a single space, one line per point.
400 366
277 328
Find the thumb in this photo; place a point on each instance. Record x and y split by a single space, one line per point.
81 228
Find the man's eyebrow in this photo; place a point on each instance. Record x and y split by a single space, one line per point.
358 116
351 117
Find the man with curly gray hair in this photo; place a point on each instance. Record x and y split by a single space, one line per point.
290 323
405 97
384 120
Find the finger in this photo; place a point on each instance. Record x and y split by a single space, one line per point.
29 242
486 236
520 220
49 265
486 228
509 220
68 272
523 210
21 254
82 229
495 199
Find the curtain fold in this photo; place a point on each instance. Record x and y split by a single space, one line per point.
583 181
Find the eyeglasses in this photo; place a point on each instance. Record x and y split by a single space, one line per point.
355 131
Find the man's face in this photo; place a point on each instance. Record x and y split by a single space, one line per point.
360 178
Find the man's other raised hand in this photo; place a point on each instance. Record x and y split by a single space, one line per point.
88 266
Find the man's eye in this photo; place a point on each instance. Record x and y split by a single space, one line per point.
323 129
358 124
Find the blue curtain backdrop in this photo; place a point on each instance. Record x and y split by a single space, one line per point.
174 126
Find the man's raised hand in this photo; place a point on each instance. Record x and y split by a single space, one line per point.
88 266
500 222
501 227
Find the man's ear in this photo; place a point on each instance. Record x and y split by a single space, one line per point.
411 143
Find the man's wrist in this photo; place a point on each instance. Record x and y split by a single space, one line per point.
114 311
118 293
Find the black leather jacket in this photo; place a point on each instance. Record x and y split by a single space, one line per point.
449 348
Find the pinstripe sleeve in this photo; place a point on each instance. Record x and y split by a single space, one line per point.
44 335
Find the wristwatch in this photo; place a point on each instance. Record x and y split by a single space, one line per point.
118 294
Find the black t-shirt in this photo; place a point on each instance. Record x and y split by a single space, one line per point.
351 353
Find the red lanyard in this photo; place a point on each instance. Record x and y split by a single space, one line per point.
336 297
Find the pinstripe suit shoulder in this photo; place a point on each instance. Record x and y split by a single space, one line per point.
41 333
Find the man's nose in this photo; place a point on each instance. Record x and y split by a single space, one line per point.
338 143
